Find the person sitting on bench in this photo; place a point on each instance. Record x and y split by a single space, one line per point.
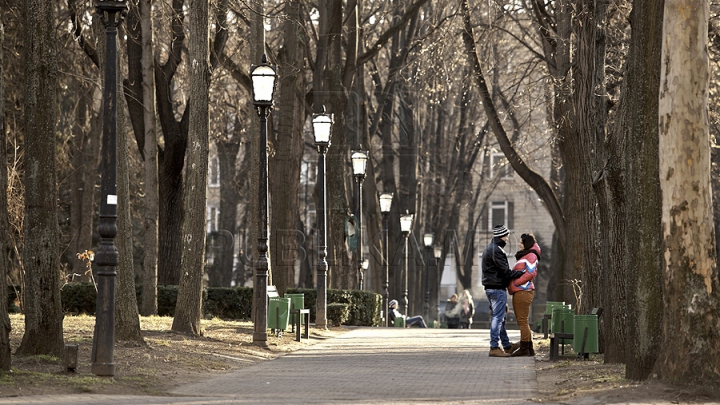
409 321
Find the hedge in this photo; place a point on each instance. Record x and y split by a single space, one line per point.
363 307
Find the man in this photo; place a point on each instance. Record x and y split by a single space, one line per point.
496 276
409 321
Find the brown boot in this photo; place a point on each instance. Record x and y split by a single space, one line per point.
532 350
523 350
513 347
498 352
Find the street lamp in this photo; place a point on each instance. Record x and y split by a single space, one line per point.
406 226
428 241
385 205
263 85
437 252
112 14
322 124
359 164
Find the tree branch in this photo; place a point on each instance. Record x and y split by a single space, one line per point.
532 178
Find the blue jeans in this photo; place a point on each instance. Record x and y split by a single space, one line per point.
415 320
498 302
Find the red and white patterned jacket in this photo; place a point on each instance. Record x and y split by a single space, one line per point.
529 264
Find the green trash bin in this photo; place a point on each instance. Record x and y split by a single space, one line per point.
549 306
297 301
562 319
278 311
591 343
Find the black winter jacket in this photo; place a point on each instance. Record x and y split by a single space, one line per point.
496 273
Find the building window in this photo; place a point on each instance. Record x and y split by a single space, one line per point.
498 162
213 217
501 213
214 172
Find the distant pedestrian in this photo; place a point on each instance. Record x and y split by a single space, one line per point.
452 312
409 321
522 290
467 309
496 276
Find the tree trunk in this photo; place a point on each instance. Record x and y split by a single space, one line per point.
227 150
171 158
5 242
288 145
341 273
86 158
127 321
188 311
581 155
690 351
637 124
43 310
150 152
253 155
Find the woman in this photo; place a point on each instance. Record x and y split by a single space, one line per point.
467 309
522 290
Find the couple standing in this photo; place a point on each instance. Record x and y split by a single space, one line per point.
497 277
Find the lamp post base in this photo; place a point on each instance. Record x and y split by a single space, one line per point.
260 339
103 369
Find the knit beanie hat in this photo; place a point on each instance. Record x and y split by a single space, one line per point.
391 303
500 231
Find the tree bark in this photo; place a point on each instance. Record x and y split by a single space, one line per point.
5 242
690 350
637 125
341 273
188 311
150 152
288 146
43 310
86 158
227 150
127 321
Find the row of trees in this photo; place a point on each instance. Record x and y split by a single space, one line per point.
618 89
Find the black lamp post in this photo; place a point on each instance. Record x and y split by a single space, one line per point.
359 164
385 205
406 226
263 85
428 241
322 124
106 258
437 252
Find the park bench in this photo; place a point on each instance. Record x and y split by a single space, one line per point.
557 339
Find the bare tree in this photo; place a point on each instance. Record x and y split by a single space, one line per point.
127 321
43 310
691 285
287 144
150 153
5 243
636 225
188 310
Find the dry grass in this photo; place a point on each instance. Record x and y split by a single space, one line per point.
164 360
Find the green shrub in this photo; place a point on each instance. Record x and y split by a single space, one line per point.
228 303
362 307
338 313
78 298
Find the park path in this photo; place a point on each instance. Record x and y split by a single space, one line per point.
363 366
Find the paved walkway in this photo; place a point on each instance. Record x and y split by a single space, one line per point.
363 366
